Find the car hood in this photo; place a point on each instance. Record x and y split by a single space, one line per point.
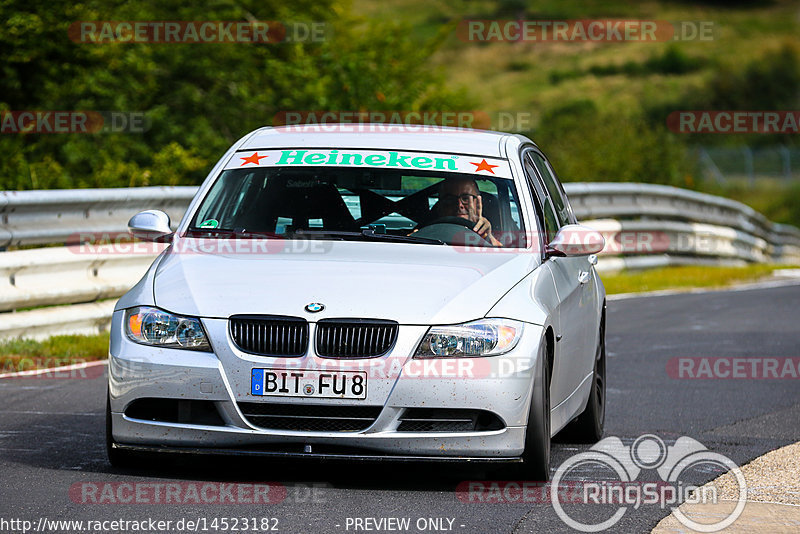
407 283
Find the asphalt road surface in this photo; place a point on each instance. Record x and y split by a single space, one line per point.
52 457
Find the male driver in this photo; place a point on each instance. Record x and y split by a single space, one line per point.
460 197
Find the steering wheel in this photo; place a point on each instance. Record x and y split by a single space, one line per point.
452 220
442 229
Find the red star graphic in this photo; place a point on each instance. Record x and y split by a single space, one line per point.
252 159
484 166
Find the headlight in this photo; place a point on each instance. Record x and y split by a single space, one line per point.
151 326
486 337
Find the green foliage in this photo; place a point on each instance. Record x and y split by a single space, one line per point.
672 61
586 144
772 82
199 98
777 199
54 351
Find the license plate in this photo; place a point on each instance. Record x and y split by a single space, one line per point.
315 384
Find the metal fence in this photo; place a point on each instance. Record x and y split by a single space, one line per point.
744 162
644 225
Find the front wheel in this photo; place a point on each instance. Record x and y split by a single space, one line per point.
536 457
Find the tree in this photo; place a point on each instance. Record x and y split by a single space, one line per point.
198 97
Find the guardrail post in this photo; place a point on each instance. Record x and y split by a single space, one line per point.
786 159
748 164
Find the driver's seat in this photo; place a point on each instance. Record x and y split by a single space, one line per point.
491 210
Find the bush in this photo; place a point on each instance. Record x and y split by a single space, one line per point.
586 144
768 83
772 82
200 98
672 61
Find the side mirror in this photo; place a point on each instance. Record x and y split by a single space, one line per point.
576 240
150 225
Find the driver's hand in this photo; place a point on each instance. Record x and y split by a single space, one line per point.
483 227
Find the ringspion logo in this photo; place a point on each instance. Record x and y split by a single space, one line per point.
674 464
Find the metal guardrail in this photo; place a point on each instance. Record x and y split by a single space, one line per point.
684 224
59 216
645 225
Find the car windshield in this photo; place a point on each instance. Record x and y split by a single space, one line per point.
357 203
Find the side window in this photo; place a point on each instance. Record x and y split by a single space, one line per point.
561 189
547 218
550 222
553 191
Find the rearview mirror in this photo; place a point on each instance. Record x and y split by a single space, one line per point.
150 225
576 240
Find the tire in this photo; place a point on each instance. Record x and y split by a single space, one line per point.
536 457
116 457
588 426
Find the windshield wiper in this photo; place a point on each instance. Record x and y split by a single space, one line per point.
368 234
225 233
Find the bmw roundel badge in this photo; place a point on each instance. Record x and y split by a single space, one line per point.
314 307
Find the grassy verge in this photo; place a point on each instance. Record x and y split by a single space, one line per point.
27 354
684 277
541 75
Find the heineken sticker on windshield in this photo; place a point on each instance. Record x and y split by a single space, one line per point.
376 159
209 223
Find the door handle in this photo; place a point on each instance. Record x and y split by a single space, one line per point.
592 259
583 277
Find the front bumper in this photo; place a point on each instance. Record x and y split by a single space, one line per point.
396 382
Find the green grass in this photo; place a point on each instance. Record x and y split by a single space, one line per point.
776 199
685 277
52 352
508 76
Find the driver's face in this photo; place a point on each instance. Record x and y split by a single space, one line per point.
457 199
